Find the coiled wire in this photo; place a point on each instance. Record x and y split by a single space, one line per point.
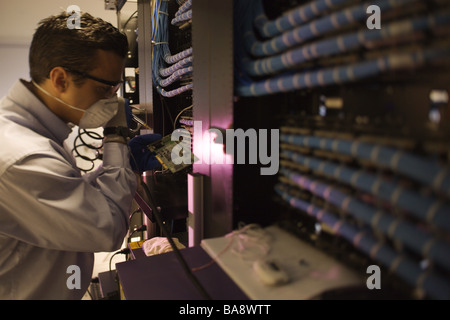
79 142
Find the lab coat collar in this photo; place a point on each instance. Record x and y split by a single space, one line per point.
21 95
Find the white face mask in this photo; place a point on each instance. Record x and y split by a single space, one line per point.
97 115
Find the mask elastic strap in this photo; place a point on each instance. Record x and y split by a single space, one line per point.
57 99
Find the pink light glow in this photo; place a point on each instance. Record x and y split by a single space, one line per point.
209 147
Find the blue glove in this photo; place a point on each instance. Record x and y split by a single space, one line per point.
141 158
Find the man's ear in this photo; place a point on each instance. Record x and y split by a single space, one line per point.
59 79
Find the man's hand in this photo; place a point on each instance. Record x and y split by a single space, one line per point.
141 158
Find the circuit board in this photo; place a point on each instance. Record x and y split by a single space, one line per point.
174 154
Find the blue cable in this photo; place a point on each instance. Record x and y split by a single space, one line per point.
341 74
314 29
175 76
182 17
435 285
344 43
162 55
293 18
179 65
175 92
179 56
183 8
421 169
427 209
414 238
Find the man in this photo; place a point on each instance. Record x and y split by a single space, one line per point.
52 218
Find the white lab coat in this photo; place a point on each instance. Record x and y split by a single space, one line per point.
51 216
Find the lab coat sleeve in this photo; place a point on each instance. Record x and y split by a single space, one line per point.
46 202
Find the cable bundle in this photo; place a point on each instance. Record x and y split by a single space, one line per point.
292 49
344 43
431 173
186 6
94 144
182 18
162 58
292 18
391 202
399 229
376 196
433 283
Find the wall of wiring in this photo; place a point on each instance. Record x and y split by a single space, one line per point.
172 61
294 45
360 152
421 241
433 283
363 114
313 30
345 43
162 56
292 18
386 201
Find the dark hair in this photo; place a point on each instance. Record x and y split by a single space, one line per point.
55 44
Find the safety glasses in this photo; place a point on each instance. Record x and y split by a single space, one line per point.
115 85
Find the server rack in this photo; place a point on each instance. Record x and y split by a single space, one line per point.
397 112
